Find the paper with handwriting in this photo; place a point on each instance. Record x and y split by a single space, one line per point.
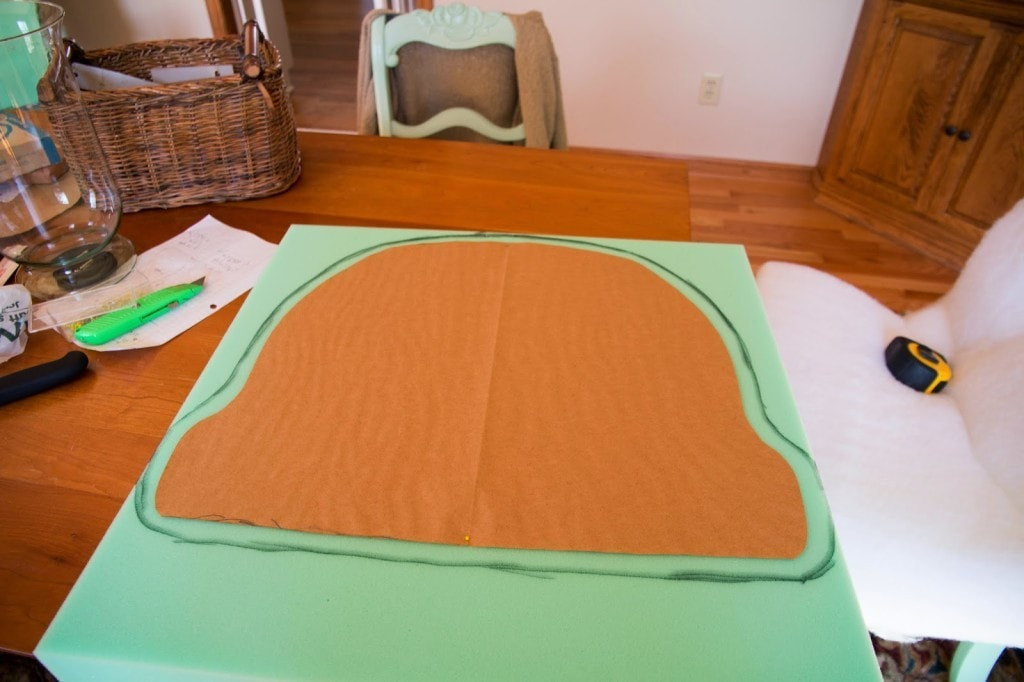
227 258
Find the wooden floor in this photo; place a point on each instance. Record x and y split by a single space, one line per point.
324 38
767 208
770 209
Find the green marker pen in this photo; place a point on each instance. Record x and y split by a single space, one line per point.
151 306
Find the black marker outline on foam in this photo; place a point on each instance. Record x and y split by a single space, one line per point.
819 569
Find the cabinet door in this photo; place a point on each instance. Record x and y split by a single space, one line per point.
985 175
926 66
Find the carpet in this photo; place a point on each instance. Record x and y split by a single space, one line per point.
928 660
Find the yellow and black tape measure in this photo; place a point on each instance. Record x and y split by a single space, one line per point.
917 365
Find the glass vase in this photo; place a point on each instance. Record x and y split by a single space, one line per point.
59 206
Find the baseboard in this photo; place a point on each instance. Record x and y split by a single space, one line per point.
938 242
710 165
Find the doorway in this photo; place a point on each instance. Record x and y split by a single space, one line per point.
324 37
321 50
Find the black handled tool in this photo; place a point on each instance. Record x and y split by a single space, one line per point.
32 380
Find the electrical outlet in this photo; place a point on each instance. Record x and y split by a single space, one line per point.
710 88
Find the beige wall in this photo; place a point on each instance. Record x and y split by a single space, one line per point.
105 23
631 71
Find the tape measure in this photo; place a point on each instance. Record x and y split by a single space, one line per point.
917 365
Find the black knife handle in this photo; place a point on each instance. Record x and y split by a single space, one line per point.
32 380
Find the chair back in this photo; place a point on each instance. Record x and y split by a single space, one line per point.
985 309
986 303
453 27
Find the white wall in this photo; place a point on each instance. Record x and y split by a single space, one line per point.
631 71
106 23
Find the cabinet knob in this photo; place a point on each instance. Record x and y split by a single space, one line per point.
964 135
951 130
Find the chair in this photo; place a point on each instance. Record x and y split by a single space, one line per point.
927 491
494 78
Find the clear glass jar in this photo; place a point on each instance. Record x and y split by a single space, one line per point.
59 211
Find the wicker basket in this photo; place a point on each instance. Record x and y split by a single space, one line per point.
217 139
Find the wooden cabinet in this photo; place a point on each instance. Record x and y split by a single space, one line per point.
926 142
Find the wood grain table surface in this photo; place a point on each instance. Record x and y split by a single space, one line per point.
70 456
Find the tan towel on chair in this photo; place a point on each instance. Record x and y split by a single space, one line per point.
427 79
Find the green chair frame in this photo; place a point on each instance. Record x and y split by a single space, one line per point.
973 661
452 27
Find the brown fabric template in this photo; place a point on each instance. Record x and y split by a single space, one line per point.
494 394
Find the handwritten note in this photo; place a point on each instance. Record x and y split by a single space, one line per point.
227 258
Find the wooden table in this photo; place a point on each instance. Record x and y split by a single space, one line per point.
71 455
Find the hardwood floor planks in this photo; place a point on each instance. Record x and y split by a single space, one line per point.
770 209
325 47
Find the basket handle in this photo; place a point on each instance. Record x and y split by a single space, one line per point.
252 40
74 53
46 88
